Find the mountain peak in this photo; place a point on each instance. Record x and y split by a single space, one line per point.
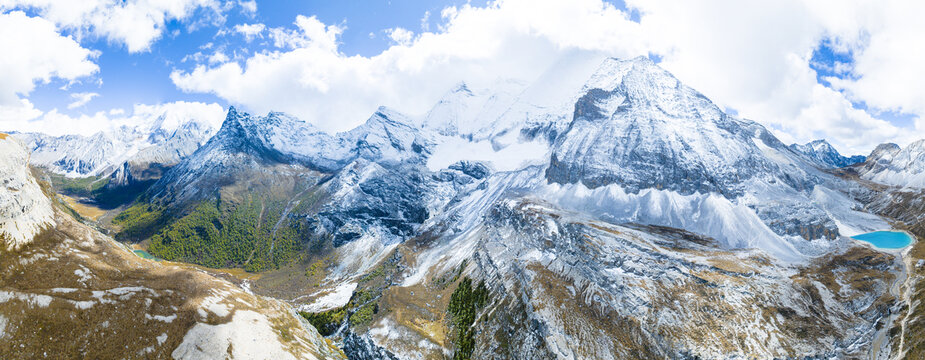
884 150
820 144
823 154
891 164
461 87
638 126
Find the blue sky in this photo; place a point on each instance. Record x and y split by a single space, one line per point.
128 78
851 76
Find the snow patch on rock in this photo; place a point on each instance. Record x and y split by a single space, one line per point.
249 335
340 296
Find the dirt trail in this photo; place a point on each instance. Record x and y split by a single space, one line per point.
880 348
907 298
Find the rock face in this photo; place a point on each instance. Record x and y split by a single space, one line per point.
889 164
68 291
572 278
824 155
24 209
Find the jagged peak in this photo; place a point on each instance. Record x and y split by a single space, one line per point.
821 144
641 82
884 149
391 116
824 154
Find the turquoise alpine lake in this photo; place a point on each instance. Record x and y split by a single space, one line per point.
886 239
146 255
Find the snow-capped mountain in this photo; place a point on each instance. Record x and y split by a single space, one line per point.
892 165
602 180
825 155
638 126
155 143
656 150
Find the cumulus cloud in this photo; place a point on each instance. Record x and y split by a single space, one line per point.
249 7
38 55
218 57
757 59
888 55
309 33
171 115
250 31
134 23
400 36
20 113
308 76
81 99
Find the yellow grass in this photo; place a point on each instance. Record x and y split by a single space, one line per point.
88 211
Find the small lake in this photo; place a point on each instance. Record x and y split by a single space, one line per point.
146 255
886 239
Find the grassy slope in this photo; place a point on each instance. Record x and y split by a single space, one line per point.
218 234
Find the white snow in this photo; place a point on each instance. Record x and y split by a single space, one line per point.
338 297
249 335
850 222
166 319
361 255
83 274
905 168
214 304
512 157
32 299
735 226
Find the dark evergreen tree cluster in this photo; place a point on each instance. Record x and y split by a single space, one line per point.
465 303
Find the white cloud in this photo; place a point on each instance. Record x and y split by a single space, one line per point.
425 21
888 71
173 113
400 36
134 23
218 57
38 57
249 7
81 99
250 31
20 113
309 33
755 58
310 78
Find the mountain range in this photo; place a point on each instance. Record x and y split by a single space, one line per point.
825 154
605 210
